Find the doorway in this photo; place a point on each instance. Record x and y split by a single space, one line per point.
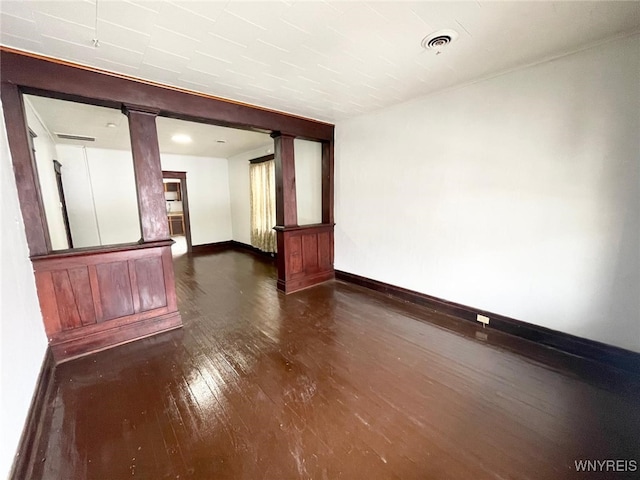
177 205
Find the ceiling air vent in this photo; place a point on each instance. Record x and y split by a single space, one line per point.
70 136
440 39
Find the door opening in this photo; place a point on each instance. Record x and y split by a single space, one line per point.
177 206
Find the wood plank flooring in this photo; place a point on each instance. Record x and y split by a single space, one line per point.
334 382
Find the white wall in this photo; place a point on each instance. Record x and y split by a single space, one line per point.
240 192
45 154
308 166
208 190
22 339
100 192
519 194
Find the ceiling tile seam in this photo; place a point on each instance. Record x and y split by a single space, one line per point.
150 64
17 37
166 53
120 47
272 45
6 14
244 19
88 46
192 12
118 25
292 65
267 74
193 69
142 6
102 59
64 20
174 32
295 26
256 61
208 55
225 39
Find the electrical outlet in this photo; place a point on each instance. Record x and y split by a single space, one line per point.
483 320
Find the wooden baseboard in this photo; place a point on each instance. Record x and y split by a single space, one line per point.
230 245
590 349
250 248
212 247
296 285
23 460
101 340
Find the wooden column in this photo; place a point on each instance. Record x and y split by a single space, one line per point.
26 173
286 206
148 173
327 182
305 253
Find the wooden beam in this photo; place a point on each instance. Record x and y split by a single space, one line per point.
65 80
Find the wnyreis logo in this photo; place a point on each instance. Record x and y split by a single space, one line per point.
609 465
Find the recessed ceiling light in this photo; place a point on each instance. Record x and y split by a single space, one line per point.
111 125
221 141
440 39
181 138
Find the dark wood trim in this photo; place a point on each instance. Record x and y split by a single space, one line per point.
231 245
148 175
305 256
25 455
263 159
590 349
239 246
298 228
83 345
213 247
57 166
286 206
119 247
182 176
41 75
292 286
327 182
25 171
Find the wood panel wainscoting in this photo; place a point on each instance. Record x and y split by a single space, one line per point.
307 258
92 300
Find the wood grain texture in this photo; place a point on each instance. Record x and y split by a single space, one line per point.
570 344
148 174
94 300
83 296
68 82
306 256
331 382
66 300
286 206
25 171
114 286
328 174
150 277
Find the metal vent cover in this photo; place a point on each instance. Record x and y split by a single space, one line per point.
70 136
439 40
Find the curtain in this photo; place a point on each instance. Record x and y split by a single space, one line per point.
263 205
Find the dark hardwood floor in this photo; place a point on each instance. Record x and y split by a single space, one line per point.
331 382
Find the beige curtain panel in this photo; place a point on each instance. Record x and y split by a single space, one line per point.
263 205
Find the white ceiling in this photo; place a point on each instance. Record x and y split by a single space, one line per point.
327 60
60 116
